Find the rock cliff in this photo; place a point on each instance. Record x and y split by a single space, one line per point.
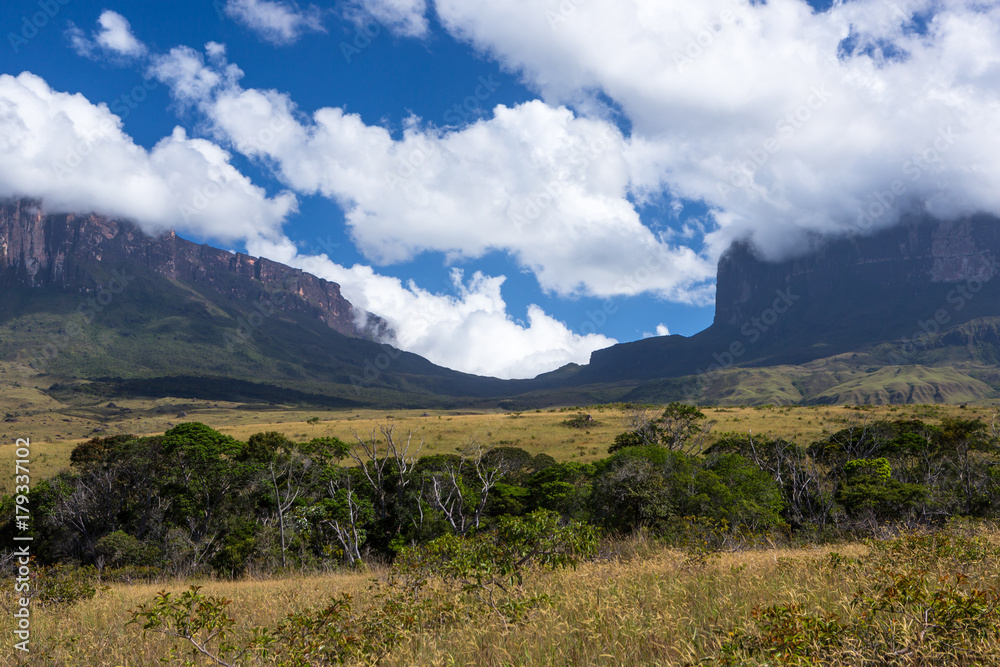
39 249
903 286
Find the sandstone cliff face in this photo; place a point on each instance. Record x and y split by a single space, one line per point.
45 250
906 262
918 278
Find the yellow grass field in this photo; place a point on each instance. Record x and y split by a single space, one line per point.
654 606
641 604
55 429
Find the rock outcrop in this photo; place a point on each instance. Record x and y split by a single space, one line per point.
903 285
38 249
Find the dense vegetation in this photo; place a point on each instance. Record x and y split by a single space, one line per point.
193 500
463 537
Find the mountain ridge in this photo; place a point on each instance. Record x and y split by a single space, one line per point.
104 310
41 249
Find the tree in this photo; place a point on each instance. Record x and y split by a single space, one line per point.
459 486
347 513
208 473
970 447
808 493
563 488
732 489
680 428
289 470
387 466
869 492
640 486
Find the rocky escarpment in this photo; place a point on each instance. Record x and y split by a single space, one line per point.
38 249
900 267
904 285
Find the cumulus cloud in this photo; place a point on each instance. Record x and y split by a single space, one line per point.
188 76
114 38
279 22
407 18
548 187
788 123
468 329
73 154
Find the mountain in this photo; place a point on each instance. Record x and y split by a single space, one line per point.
100 309
104 308
921 294
64 251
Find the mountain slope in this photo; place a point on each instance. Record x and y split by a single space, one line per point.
911 314
85 297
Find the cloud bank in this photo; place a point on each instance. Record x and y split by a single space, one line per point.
74 155
548 187
788 123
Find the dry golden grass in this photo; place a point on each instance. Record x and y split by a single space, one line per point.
644 606
96 632
663 610
660 608
54 432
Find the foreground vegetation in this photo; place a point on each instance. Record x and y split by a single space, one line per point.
871 543
916 598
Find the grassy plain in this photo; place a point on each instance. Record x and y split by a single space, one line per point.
641 604
55 428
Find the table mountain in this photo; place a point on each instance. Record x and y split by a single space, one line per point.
92 298
922 293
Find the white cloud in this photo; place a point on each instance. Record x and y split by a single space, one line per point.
748 107
74 155
114 38
185 71
279 22
662 330
407 18
469 330
548 187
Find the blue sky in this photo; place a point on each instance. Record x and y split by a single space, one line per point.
510 184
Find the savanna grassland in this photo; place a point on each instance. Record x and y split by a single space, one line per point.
635 603
56 428
783 535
